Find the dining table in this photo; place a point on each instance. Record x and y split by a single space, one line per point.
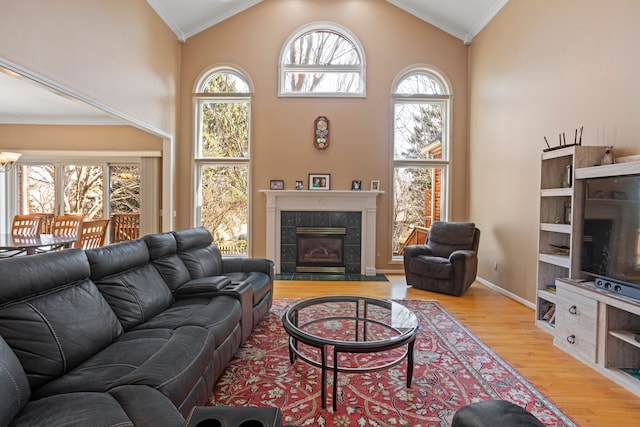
30 244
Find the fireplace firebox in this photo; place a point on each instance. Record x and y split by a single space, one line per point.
320 249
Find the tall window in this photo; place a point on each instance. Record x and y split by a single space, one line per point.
223 101
420 102
322 59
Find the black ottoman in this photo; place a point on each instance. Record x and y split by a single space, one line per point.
229 416
494 413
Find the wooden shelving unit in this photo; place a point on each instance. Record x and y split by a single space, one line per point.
560 213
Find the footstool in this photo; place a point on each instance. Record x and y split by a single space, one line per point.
494 413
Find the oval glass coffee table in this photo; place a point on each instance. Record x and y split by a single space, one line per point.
329 326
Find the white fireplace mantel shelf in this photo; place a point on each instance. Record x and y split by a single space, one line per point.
324 200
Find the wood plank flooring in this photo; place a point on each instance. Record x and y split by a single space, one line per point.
507 326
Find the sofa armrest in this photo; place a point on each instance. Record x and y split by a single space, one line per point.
202 287
461 255
248 265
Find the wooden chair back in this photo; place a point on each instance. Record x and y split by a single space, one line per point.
125 226
46 222
25 225
92 234
67 225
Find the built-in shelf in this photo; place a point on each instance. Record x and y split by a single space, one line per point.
627 336
555 259
556 228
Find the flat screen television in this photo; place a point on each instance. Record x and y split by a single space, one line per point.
610 249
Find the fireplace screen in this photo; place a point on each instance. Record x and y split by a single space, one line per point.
320 249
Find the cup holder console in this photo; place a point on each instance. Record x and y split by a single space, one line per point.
227 416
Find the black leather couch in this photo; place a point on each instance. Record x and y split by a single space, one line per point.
134 333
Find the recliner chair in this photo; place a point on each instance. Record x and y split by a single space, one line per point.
448 262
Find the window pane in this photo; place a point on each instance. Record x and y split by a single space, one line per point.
323 82
37 191
224 129
321 48
224 205
418 130
417 201
420 84
83 191
225 82
124 191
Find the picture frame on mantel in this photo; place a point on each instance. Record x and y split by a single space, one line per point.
319 181
375 185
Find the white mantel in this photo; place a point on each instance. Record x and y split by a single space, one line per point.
324 200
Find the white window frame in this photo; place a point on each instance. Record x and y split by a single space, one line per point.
326 26
443 164
200 97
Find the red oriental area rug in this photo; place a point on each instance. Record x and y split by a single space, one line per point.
452 369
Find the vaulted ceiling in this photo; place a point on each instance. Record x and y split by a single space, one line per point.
22 101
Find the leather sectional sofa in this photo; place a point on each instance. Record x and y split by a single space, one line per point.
134 333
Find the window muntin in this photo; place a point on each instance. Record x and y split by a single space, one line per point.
420 108
222 157
322 60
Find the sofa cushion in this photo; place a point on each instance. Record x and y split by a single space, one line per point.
132 286
163 254
196 249
221 315
51 315
14 386
123 407
445 237
434 267
171 361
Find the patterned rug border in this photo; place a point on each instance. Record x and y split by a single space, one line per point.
541 405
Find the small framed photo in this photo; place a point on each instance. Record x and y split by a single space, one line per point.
356 185
375 185
299 185
319 181
276 184
567 212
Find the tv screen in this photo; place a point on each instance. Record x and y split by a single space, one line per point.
611 221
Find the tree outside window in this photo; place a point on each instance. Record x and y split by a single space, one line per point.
420 151
222 159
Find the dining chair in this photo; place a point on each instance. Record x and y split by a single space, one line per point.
92 234
46 222
64 225
23 226
125 226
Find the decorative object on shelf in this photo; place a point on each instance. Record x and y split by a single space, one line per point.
299 185
356 185
8 160
319 181
276 184
567 212
375 185
566 177
607 159
619 195
321 133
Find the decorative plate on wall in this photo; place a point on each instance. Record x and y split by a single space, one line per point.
321 133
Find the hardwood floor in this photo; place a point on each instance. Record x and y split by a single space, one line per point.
507 326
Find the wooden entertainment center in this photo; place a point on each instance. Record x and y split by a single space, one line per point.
595 325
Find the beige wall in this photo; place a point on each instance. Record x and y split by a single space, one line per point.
282 127
58 137
117 53
540 68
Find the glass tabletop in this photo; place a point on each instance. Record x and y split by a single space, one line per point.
352 323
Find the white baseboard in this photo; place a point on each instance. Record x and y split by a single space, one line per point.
506 293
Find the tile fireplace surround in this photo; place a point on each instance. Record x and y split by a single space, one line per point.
279 201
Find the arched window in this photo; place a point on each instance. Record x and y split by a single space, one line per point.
222 157
322 59
421 119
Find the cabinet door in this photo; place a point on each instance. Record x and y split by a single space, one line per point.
576 324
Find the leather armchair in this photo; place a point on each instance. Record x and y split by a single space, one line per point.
448 262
